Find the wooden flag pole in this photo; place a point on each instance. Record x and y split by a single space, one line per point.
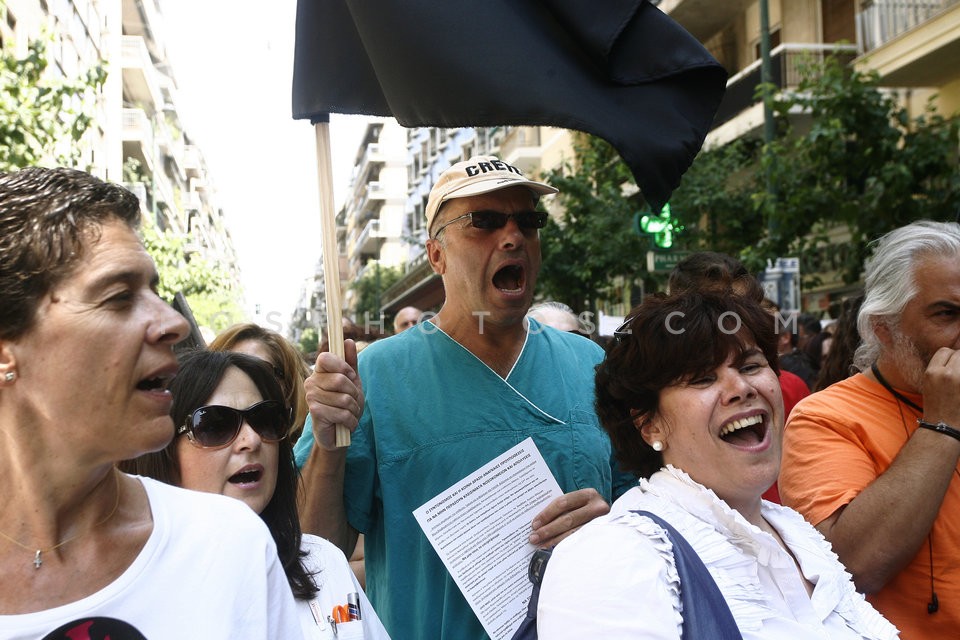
331 254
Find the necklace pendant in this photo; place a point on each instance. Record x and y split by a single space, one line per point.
36 560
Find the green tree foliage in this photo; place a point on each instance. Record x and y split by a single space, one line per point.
309 340
205 285
592 250
863 163
858 161
42 116
714 202
369 289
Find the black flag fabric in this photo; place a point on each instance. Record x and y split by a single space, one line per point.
619 69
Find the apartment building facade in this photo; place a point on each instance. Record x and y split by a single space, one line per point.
370 223
137 137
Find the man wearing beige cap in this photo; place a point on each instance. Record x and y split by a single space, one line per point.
445 397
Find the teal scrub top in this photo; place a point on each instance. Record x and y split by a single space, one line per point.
434 414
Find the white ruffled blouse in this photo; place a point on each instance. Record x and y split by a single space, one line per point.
607 581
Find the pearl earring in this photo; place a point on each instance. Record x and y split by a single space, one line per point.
657 445
9 376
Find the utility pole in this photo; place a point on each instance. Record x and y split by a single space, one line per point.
769 130
766 72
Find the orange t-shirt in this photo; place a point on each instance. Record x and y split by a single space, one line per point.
836 443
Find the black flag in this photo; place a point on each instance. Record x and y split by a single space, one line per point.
618 69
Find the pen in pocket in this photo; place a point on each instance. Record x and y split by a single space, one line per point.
353 603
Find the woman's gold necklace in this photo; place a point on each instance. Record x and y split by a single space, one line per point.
37 561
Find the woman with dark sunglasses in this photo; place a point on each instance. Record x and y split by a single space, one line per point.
287 362
232 423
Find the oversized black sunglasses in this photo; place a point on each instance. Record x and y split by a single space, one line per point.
486 219
215 426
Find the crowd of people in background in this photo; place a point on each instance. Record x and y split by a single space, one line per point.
211 479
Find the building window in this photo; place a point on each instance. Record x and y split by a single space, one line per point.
774 42
839 20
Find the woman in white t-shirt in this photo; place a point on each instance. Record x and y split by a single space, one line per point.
86 351
232 424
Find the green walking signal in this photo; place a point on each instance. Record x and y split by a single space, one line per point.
662 227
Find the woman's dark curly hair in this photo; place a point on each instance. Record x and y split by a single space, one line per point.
668 339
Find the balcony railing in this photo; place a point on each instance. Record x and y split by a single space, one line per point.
521 147
372 155
880 21
369 240
786 62
192 161
193 201
376 191
373 194
136 126
140 77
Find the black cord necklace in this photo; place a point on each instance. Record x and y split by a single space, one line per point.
896 394
934 605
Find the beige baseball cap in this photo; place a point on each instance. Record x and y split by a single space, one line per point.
479 174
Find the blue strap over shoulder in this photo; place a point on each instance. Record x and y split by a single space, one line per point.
706 615
705 611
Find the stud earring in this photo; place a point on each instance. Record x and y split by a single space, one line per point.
9 376
657 445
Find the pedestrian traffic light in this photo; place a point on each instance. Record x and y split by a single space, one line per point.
661 227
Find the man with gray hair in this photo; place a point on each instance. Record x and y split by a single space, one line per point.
871 461
555 314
